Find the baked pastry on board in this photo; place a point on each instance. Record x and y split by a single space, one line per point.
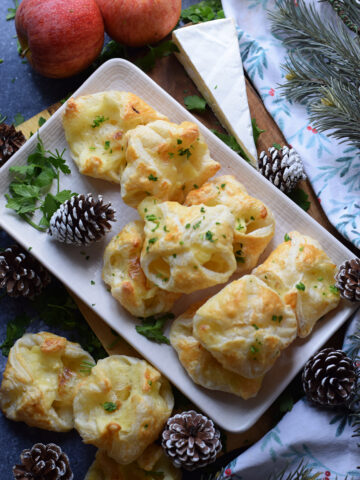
40 380
95 126
123 273
122 407
165 160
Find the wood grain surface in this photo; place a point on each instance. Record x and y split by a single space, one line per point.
171 76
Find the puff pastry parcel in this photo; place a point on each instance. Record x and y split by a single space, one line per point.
105 468
95 127
254 222
40 380
186 248
123 273
201 366
165 160
303 275
245 326
122 407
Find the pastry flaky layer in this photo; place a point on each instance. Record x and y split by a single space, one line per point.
186 248
245 326
122 407
41 377
254 222
201 366
303 275
95 127
105 468
165 160
123 273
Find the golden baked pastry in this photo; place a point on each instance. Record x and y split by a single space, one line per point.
165 160
245 326
40 380
122 406
303 275
95 126
105 468
201 366
186 248
254 222
123 273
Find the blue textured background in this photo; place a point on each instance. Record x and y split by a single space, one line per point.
24 91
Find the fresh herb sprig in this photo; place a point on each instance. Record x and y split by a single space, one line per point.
153 327
203 12
163 49
29 189
194 102
231 142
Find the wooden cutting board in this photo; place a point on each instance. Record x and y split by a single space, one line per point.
171 76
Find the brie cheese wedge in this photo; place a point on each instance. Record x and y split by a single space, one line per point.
210 55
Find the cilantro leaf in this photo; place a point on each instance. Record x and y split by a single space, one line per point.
163 49
41 121
153 327
257 131
18 118
194 102
203 12
300 197
14 330
231 142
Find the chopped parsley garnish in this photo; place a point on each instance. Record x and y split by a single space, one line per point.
255 326
209 236
109 406
98 120
184 151
223 185
152 240
181 242
252 218
254 349
320 279
152 178
107 145
334 289
151 217
187 225
287 238
92 282
174 255
153 328
276 318
197 225
86 366
165 229
239 227
156 226
179 141
300 286
202 210
92 148
171 154
195 186
301 248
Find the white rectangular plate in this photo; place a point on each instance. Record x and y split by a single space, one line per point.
67 263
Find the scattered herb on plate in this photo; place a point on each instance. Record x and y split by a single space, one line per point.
194 102
257 131
41 121
18 118
231 142
12 11
153 327
29 189
203 12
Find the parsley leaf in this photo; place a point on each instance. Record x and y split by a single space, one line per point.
12 11
14 330
98 120
29 189
163 49
231 142
109 406
277 146
300 286
18 118
194 102
112 49
300 198
41 121
257 131
153 328
287 238
152 178
209 236
203 12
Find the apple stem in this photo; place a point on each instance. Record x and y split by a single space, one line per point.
24 52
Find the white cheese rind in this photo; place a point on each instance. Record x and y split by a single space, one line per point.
210 54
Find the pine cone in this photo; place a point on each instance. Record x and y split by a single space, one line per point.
348 280
191 440
21 274
43 462
10 141
283 168
329 377
81 220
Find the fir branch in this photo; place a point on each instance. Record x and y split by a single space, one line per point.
343 10
323 68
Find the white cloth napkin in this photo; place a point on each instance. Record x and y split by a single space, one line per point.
320 438
332 168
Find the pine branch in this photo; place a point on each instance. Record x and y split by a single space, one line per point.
323 69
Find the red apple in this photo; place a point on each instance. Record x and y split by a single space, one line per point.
139 22
60 37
